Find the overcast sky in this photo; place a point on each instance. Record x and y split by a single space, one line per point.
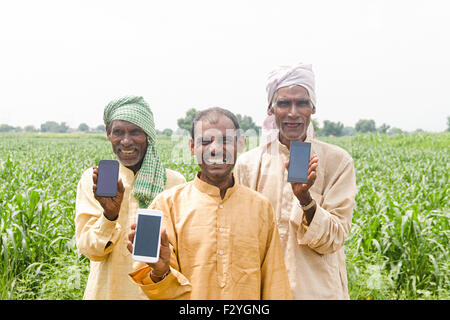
382 60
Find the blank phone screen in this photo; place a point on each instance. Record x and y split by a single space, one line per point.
108 174
299 161
147 236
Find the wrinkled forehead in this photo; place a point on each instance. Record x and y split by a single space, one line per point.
292 92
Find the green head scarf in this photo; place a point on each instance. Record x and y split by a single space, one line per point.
151 178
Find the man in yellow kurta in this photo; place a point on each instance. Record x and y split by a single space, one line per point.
220 239
313 219
102 224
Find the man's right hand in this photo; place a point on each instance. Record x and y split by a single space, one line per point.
162 266
110 205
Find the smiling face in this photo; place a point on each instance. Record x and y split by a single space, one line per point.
292 110
129 143
215 147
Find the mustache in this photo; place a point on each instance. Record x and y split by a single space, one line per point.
297 122
218 158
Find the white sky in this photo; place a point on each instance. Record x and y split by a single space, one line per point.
382 60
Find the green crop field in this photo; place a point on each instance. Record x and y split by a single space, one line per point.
397 248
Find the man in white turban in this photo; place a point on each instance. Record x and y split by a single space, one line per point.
286 76
313 219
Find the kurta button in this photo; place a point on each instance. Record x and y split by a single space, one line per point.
221 206
221 252
220 229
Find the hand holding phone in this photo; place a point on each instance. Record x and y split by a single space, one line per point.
301 190
299 162
108 174
148 242
148 235
110 204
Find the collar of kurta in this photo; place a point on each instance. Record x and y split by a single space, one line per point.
127 173
211 190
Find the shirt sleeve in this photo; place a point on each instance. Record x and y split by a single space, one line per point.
274 277
173 287
95 234
332 219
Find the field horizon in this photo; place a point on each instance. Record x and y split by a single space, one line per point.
397 247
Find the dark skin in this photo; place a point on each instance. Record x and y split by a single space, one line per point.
210 141
111 206
129 143
215 141
292 110
301 190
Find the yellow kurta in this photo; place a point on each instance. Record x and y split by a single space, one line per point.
221 248
314 254
109 268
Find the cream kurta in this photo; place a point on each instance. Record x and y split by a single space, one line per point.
221 248
314 254
108 277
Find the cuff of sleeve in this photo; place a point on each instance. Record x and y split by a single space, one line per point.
308 234
105 226
168 288
141 275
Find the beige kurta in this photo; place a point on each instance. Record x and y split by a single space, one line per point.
221 248
109 268
314 254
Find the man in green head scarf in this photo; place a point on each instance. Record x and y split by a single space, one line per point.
102 223
134 113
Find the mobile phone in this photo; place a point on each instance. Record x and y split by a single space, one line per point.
299 161
148 235
108 175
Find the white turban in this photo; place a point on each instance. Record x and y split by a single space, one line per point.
285 76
